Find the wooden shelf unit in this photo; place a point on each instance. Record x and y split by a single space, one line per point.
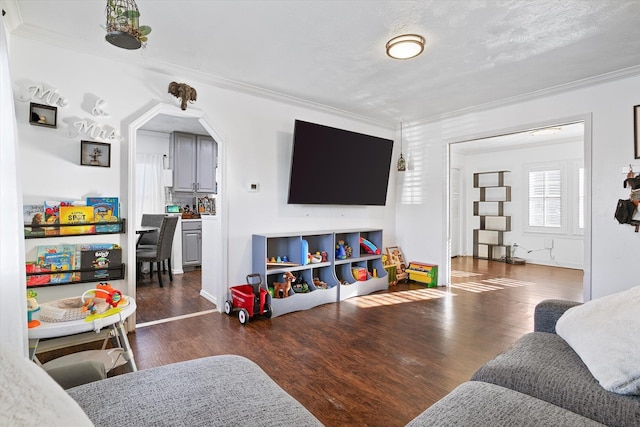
488 239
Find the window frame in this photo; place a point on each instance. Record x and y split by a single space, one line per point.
564 205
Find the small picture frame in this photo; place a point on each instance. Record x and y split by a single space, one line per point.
206 205
95 154
43 115
636 131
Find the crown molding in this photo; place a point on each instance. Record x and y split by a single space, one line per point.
17 28
12 18
530 96
38 34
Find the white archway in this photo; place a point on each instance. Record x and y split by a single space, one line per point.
214 257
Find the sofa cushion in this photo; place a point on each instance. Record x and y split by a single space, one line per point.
543 365
212 391
482 404
600 332
30 397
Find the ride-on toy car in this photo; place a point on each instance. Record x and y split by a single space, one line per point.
250 299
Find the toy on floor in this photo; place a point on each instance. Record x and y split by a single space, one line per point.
281 289
250 300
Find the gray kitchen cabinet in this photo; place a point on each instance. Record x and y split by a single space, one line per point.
191 243
194 163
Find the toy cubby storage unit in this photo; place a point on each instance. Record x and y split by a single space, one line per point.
488 239
112 272
266 246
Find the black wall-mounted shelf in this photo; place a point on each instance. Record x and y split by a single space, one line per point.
34 232
113 273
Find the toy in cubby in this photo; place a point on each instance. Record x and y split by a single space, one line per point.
319 284
343 250
369 247
359 273
278 260
300 286
281 289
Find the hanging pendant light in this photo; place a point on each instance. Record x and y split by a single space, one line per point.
402 164
123 25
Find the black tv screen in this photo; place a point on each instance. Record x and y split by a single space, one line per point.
332 166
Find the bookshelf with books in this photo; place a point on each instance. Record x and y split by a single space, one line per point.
80 261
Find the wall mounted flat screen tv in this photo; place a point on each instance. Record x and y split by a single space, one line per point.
332 166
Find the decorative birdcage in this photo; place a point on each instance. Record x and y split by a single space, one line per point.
123 25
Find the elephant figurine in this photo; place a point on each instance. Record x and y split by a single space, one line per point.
184 92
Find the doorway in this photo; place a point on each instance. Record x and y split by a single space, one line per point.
166 119
516 150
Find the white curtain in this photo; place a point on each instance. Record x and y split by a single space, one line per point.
13 299
149 185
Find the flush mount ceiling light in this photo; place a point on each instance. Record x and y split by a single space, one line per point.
406 46
546 131
123 25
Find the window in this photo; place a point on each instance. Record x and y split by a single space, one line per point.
545 198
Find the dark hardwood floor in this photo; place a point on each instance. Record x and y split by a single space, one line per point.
177 298
376 360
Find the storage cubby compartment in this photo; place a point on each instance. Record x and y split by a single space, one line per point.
326 275
375 238
352 240
320 243
289 247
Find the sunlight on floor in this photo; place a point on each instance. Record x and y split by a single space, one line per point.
398 297
458 273
490 284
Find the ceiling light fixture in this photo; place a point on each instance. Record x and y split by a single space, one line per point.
406 46
402 164
546 131
123 25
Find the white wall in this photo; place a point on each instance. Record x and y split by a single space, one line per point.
257 133
568 250
610 106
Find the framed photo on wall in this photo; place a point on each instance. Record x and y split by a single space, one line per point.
636 131
95 154
43 115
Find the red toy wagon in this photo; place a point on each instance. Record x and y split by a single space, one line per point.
249 299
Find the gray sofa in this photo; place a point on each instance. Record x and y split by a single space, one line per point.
539 381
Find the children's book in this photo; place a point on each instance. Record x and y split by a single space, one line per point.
105 209
52 215
33 220
59 256
76 215
59 262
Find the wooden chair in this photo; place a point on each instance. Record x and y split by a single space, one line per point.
162 250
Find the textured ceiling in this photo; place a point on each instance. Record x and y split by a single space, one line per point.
332 52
